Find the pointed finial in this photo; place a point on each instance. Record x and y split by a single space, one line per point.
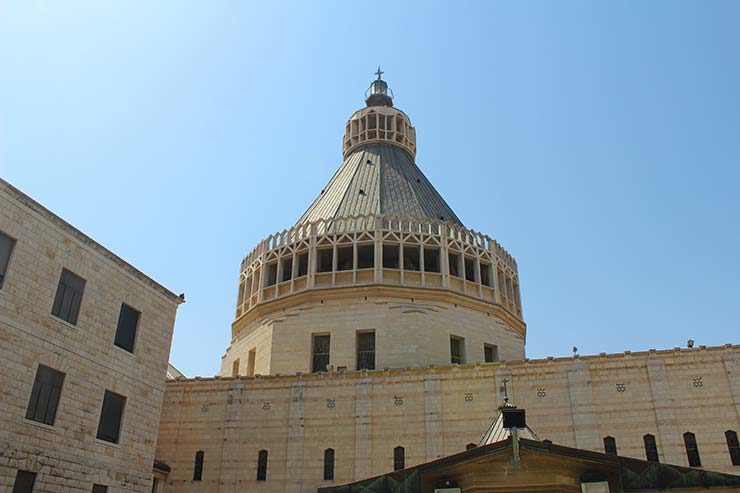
379 73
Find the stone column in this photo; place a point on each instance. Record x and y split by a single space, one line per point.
433 417
363 428
294 456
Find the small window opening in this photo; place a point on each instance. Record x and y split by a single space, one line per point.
287 269
399 458
651 448
610 446
390 257
321 347
733 447
302 264
431 260
366 350
325 260
692 450
454 260
362 192
469 269
329 464
470 446
457 350
251 359
365 256
235 368
198 469
485 274
262 465
270 274
490 353
411 257
344 258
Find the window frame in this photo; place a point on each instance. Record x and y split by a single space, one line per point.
329 458
262 458
198 465
4 269
692 449
610 445
314 354
358 359
108 438
461 353
733 446
651 448
37 390
494 351
25 477
399 458
58 303
126 306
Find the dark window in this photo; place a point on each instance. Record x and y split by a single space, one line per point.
302 264
287 269
99 488
128 321
47 388
399 458
68 297
485 274
6 248
235 368
270 274
733 447
325 260
469 269
344 258
431 260
410 257
490 353
320 360
470 446
109 427
692 451
651 449
262 465
329 464
390 256
457 350
198 468
610 446
24 482
454 260
366 351
155 484
365 257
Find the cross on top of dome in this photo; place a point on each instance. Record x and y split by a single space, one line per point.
379 73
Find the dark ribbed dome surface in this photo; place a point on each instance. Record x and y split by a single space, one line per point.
379 179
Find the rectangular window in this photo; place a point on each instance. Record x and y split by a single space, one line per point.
287 269
454 260
344 258
366 256
411 257
390 257
262 465
111 415
325 260
99 488
320 350
128 321
485 274
501 282
24 481
69 296
251 361
692 450
431 260
457 350
469 269
47 388
6 248
302 264
270 274
490 353
366 350
235 368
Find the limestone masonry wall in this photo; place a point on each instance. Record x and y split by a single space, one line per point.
433 412
67 457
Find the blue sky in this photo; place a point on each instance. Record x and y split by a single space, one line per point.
598 142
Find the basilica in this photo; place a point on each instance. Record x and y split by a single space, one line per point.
378 345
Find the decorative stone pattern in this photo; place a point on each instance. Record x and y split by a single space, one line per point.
67 456
580 409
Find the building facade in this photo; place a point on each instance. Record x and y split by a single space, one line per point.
379 332
85 343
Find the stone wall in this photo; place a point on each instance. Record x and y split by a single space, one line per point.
67 456
437 411
408 332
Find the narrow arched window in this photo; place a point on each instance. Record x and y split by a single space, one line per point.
610 446
399 458
692 450
651 448
733 447
262 465
329 464
198 469
469 446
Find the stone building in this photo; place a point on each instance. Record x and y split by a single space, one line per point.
85 339
379 333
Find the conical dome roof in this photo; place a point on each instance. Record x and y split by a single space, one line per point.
379 178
